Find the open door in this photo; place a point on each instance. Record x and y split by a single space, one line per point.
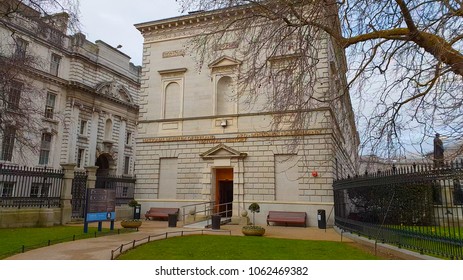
224 192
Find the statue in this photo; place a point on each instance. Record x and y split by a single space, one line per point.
438 151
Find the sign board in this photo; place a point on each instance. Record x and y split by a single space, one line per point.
101 205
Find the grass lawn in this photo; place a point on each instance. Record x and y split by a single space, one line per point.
207 247
13 239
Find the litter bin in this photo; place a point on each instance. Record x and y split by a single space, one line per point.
321 217
136 211
216 221
172 220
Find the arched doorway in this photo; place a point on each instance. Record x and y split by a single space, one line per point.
103 162
105 165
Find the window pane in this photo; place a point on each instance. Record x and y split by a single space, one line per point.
14 95
126 165
50 106
8 143
54 64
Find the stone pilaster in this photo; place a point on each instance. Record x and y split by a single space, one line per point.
91 179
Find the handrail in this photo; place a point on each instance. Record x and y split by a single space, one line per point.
207 209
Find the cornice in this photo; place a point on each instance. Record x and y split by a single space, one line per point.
187 25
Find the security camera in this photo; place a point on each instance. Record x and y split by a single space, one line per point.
223 123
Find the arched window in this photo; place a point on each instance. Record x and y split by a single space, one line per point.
225 96
172 101
108 130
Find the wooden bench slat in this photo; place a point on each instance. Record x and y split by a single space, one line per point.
287 217
159 212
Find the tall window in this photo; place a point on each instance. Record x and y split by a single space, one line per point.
54 64
21 47
50 106
45 148
83 128
80 158
14 95
9 135
126 165
128 138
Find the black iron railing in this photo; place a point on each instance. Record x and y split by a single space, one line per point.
124 187
416 207
30 187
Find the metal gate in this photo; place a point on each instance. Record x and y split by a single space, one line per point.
79 187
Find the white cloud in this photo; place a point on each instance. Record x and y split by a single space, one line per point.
112 21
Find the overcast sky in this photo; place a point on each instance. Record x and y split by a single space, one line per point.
112 21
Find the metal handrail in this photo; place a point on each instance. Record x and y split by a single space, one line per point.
207 208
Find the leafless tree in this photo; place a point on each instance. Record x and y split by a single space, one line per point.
404 62
22 103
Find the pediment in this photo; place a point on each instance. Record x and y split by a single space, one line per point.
114 90
224 61
222 151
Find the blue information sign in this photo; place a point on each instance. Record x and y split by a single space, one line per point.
101 206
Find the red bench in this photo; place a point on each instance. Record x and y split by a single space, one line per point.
287 217
161 213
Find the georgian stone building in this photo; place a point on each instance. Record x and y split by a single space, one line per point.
85 93
195 145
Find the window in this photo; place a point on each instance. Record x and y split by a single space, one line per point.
14 95
83 128
80 158
50 106
45 148
9 135
21 47
7 189
39 189
128 138
126 165
54 64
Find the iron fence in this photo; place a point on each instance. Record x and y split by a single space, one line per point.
124 187
416 207
30 187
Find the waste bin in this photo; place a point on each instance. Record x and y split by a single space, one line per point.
321 217
216 221
136 211
172 220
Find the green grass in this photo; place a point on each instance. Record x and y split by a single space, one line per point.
13 239
207 247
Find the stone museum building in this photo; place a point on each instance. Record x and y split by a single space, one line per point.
197 146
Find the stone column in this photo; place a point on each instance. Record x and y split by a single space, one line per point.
66 194
91 179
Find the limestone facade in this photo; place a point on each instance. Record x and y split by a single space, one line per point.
194 145
86 94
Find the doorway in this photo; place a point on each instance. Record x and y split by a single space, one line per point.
224 192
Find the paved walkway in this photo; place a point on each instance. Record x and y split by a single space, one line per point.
100 248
